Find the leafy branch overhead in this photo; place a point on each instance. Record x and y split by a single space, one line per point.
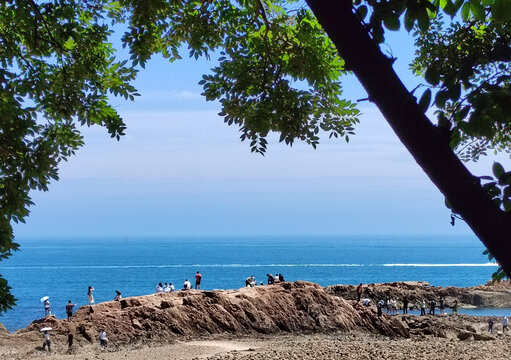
277 70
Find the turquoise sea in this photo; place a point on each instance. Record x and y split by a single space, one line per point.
63 268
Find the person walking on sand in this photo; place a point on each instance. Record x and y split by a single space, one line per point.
198 278
47 310
504 324
90 296
47 342
423 307
359 292
70 338
69 309
103 341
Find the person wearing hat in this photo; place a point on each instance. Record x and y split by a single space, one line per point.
47 341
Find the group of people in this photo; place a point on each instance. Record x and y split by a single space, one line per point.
272 279
504 324
103 340
70 305
390 304
187 285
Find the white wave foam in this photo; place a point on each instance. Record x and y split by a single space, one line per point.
443 265
71 267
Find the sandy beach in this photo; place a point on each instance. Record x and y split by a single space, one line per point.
356 346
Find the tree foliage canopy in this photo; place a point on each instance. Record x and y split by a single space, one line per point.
276 70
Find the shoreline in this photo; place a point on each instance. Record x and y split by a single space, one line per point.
491 297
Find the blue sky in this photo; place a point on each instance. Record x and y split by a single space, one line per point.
181 171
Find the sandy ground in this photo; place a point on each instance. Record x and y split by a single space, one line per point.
351 347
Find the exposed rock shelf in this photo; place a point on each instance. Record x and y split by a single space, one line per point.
299 307
483 296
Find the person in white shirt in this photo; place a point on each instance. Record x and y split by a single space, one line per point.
166 288
159 288
171 287
103 341
47 310
504 324
90 296
187 285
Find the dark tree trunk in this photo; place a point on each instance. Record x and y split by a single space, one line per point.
429 147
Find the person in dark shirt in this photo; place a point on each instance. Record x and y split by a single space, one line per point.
69 309
405 306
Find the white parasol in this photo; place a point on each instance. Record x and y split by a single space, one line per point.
44 298
47 328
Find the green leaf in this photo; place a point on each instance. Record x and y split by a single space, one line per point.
423 19
391 22
465 11
425 100
477 10
498 170
441 98
409 20
362 11
432 76
501 10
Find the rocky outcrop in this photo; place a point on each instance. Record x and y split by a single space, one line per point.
488 296
299 307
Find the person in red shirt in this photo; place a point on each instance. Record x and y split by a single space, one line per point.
198 278
359 292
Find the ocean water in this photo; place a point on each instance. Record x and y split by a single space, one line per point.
64 268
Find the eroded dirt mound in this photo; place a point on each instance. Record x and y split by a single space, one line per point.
491 296
288 307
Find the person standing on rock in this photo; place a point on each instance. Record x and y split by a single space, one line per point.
490 325
405 306
432 306
379 307
504 324
69 309
198 278
423 307
47 310
455 307
359 292
442 306
90 296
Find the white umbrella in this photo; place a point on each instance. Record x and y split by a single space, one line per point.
44 298
46 328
